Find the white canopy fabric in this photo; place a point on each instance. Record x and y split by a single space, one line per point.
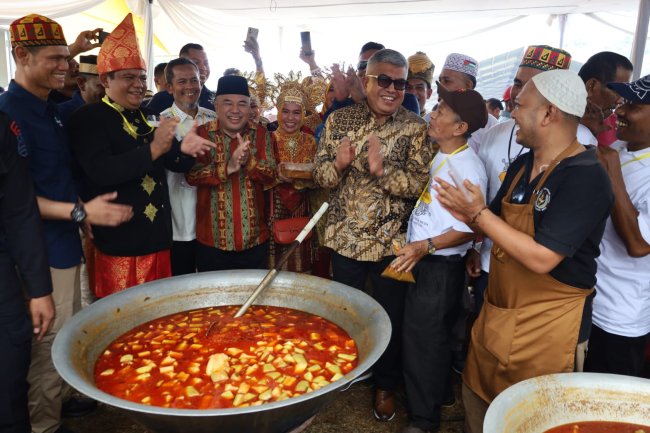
12 9
340 27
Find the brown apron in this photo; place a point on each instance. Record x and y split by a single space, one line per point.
529 322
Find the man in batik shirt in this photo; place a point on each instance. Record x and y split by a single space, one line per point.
374 155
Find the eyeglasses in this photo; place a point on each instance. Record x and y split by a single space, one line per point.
362 65
385 81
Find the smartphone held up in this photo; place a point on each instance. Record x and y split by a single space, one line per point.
305 38
251 34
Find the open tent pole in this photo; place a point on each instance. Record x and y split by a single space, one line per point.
640 37
562 19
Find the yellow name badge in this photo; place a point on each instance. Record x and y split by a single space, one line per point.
425 197
502 176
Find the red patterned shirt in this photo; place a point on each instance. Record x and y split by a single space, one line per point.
230 209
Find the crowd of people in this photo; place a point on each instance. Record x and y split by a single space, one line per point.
532 203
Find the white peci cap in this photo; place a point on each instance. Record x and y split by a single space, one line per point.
564 89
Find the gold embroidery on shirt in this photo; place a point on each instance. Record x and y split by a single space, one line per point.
150 212
148 184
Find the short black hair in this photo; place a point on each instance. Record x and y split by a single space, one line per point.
159 70
371 46
169 69
187 47
494 103
603 66
231 71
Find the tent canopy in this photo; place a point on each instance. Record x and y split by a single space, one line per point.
481 28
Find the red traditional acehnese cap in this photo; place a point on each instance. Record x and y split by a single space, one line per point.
120 49
36 31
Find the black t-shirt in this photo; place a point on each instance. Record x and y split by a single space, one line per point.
569 212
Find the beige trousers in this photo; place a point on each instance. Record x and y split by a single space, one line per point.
46 388
475 409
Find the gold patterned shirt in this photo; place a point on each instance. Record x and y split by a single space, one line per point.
367 212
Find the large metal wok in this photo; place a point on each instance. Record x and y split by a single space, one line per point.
81 340
538 404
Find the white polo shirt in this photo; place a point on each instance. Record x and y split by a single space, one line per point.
182 195
585 136
478 137
431 219
622 302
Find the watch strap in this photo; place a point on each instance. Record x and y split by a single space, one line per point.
432 247
78 213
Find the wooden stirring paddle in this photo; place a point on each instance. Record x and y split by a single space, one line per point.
273 272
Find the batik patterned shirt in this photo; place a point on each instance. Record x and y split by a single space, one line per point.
367 212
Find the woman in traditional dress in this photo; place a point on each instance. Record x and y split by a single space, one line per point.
290 197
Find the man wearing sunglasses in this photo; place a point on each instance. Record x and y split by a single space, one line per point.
374 155
367 50
543 266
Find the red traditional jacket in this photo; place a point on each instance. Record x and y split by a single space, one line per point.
230 209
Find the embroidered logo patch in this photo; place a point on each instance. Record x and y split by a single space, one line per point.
543 199
20 140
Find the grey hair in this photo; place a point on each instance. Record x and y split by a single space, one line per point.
388 56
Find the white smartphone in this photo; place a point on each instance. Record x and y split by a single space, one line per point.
455 176
252 33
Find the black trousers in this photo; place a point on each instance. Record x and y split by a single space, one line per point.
431 308
183 257
610 353
387 372
16 343
214 259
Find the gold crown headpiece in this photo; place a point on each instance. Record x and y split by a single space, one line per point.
307 92
259 88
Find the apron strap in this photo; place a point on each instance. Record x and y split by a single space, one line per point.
552 165
515 181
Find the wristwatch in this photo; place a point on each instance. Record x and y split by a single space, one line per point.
78 213
432 248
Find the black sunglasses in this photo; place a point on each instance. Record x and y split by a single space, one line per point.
362 65
385 81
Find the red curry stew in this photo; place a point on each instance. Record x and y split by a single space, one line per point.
269 354
600 427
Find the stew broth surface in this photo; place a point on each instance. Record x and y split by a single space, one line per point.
599 427
269 354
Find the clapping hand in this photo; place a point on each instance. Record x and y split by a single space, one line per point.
163 136
339 82
375 156
240 156
462 207
345 154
